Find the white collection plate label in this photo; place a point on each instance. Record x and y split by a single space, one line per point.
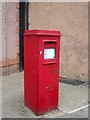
49 53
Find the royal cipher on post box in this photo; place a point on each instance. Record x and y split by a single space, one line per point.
41 70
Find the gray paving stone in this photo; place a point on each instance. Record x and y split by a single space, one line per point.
70 98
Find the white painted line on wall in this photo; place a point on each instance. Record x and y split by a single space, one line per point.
79 109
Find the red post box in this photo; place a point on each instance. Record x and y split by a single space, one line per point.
41 70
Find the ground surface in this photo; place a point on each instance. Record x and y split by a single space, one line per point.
78 114
70 98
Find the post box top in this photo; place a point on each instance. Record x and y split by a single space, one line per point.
42 32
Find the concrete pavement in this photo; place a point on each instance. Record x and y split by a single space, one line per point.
0 97
83 113
70 98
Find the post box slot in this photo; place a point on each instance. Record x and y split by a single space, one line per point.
49 44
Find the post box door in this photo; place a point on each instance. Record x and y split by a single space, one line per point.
48 58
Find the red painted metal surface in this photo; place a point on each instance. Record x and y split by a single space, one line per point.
41 75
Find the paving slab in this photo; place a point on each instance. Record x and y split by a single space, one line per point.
0 97
70 98
78 114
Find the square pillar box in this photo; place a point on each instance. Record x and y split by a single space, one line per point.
41 70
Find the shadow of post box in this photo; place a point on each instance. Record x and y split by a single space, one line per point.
41 70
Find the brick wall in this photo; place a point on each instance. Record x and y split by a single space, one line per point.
10 36
72 20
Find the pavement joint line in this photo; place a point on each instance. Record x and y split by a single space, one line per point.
57 114
63 112
79 109
60 110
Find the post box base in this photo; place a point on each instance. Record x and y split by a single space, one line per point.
41 113
44 112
